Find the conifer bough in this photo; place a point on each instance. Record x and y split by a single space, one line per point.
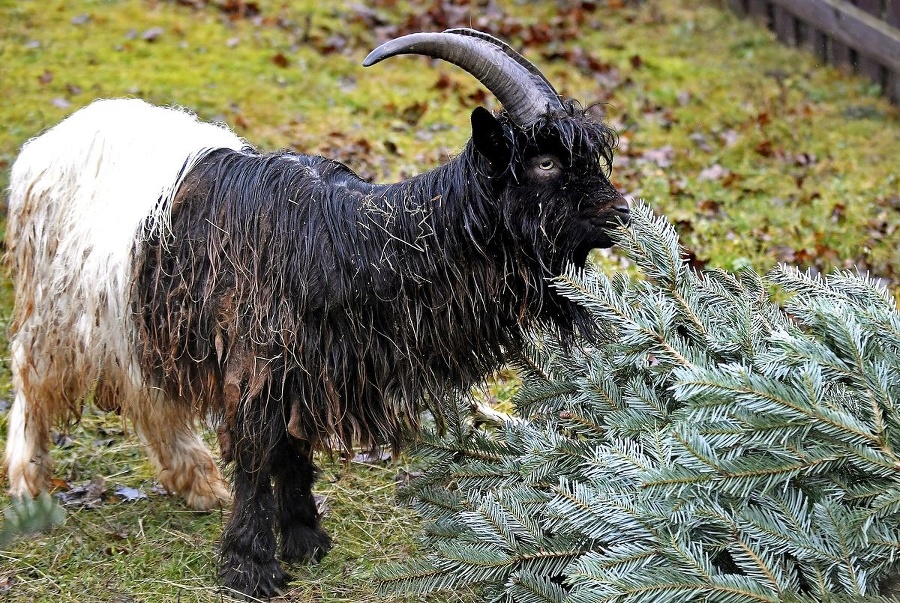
708 445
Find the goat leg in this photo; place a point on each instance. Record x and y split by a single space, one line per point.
302 538
247 561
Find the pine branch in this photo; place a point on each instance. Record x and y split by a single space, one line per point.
709 444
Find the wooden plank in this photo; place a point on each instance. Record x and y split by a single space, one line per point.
758 10
870 67
872 7
873 69
821 43
807 36
842 56
785 26
864 64
851 26
892 86
738 7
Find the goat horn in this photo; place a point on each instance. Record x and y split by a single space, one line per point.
520 86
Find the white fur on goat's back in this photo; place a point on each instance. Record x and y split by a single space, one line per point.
81 194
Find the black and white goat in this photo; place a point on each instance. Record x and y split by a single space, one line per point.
167 267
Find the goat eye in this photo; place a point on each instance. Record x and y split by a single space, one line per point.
547 164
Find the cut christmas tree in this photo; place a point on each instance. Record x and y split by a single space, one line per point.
710 444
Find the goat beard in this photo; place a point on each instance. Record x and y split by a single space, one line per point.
581 250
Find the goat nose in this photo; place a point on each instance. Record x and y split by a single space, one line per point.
621 210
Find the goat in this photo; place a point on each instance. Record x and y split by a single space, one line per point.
178 274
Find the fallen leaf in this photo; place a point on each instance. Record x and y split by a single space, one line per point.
662 156
60 484
280 60
677 186
709 207
372 457
729 137
46 77
730 178
804 159
413 113
803 257
580 58
783 253
89 495
443 82
699 139
405 476
238 9
695 262
62 440
333 44
713 172
765 148
478 97
112 550
838 212
80 19
158 490
128 494
152 34
368 17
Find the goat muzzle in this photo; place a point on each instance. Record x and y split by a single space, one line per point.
620 211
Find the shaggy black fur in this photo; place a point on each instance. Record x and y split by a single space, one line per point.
298 303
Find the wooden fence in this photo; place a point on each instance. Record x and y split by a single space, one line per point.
858 35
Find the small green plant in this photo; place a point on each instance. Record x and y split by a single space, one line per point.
709 445
27 515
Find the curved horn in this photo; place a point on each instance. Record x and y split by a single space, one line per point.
522 89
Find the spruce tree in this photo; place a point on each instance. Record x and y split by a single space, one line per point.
711 444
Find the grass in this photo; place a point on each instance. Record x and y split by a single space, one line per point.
756 152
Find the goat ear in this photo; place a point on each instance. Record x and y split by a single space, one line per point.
489 138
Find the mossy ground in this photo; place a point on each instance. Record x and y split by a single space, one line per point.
759 154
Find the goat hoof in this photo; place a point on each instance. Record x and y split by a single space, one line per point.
27 479
215 495
302 544
259 580
200 483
